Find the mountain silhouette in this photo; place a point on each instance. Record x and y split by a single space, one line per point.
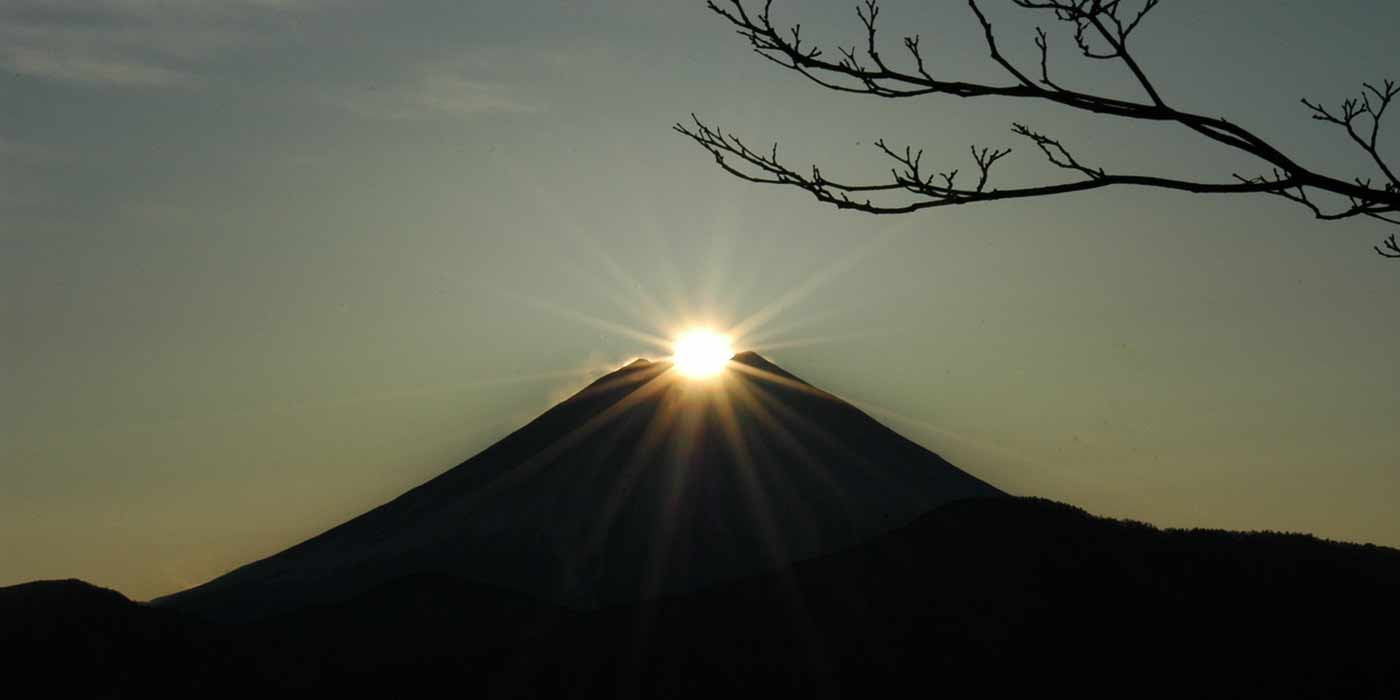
1008 597
990 597
74 639
656 536
644 483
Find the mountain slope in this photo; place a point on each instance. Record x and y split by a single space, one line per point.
642 484
1005 598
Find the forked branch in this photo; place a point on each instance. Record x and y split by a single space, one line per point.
1101 30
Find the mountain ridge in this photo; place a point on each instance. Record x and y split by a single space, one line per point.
992 596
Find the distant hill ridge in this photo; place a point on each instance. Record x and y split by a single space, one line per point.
985 596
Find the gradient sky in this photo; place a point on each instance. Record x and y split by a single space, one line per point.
265 264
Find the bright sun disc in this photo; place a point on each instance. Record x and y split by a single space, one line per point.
702 353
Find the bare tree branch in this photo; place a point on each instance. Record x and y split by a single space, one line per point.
1391 250
1352 110
935 189
1101 30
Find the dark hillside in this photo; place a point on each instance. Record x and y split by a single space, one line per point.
1009 595
985 597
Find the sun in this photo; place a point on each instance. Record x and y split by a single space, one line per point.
701 353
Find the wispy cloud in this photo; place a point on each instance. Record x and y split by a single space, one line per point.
127 43
432 91
90 68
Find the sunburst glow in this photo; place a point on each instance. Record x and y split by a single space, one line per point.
702 353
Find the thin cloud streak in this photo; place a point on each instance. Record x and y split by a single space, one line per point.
430 92
93 70
128 43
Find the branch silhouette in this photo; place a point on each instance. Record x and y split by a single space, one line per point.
1101 30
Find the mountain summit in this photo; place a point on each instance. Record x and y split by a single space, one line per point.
643 483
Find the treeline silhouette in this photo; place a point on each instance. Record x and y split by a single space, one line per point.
990 596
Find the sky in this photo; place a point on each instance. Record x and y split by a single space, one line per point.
265 264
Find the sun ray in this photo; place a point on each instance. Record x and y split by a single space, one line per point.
747 392
678 477
742 284
758 505
548 453
818 340
617 484
745 468
608 383
632 289
767 376
801 422
270 408
718 262
602 324
789 324
817 280
630 304
671 278
981 444
883 471
658 426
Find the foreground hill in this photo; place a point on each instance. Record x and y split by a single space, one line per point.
72 639
1008 596
644 483
988 597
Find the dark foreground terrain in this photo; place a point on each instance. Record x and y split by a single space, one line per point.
988 596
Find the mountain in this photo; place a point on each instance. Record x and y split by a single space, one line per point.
655 536
419 627
73 639
643 484
1011 597
992 597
